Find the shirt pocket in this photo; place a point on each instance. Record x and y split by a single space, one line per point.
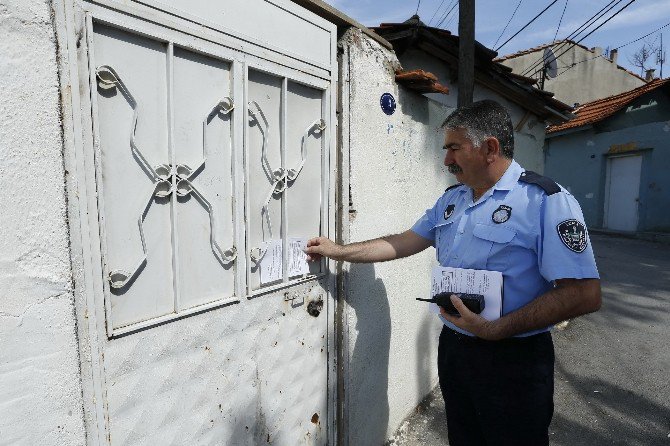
492 243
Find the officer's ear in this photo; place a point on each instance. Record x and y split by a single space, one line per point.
492 147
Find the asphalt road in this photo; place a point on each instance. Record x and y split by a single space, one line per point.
612 383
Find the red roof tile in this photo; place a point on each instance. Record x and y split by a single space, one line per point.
596 111
421 81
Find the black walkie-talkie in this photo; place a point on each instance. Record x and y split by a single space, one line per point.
474 302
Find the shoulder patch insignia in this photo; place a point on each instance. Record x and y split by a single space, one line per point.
502 214
453 186
448 211
573 235
547 184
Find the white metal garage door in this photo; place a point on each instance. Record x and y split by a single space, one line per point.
210 161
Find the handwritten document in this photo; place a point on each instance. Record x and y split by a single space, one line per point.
470 281
297 258
271 262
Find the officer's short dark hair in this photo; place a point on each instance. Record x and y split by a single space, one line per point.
484 119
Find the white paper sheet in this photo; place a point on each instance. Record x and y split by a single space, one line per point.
271 262
470 281
297 258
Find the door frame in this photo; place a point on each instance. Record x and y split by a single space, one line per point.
72 19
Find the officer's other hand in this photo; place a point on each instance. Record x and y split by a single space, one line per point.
470 321
321 247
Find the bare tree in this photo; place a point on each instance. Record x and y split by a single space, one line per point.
641 56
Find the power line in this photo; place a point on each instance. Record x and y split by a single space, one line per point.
598 27
455 16
573 35
561 19
570 67
646 35
444 17
438 8
417 7
527 24
508 22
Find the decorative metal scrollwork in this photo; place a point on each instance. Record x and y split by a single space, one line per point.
165 177
279 178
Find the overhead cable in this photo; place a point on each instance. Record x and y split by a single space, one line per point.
444 17
597 28
646 35
436 11
508 22
528 24
561 19
533 68
453 17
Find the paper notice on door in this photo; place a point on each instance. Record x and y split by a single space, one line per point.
271 262
297 258
470 281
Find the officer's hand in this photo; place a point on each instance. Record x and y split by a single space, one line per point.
470 321
321 247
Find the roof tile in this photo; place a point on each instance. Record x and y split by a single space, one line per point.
597 110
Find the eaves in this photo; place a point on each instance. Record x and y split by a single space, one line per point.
568 131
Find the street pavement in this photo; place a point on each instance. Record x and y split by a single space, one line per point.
612 382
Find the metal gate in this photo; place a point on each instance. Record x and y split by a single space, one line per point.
210 166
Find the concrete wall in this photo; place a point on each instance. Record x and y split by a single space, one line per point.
578 160
528 140
40 391
393 167
592 77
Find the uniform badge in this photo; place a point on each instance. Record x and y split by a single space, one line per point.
573 235
448 211
502 214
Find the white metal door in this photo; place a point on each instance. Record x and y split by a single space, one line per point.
623 180
203 156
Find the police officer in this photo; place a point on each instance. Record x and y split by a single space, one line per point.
497 377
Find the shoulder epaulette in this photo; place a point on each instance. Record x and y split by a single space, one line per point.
453 187
547 184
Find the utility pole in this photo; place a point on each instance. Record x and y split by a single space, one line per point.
466 51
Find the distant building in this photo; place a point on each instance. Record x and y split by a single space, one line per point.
583 74
614 158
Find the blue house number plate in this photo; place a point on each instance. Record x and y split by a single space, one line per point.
387 101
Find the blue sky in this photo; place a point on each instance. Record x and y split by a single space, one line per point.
638 19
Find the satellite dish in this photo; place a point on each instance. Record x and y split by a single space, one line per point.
550 64
549 67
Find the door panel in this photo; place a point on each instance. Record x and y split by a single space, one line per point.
624 190
202 141
264 129
126 185
304 142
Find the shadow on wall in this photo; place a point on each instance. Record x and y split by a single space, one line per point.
426 360
368 365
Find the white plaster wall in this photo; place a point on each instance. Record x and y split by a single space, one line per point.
40 391
528 139
395 173
591 78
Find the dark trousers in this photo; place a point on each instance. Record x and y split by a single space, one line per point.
497 393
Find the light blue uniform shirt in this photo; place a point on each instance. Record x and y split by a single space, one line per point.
517 228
